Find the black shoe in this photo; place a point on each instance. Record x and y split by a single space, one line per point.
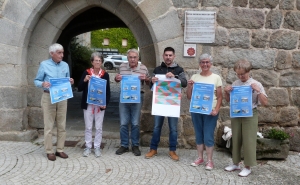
122 150
136 151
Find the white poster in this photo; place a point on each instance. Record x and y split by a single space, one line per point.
166 97
199 27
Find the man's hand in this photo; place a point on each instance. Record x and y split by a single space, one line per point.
46 84
118 78
170 75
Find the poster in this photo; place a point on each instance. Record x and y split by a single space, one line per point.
60 89
130 89
97 92
199 27
166 97
202 98
241 101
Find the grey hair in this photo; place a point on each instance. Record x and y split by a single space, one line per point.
54 47
206 56
135 51
96 54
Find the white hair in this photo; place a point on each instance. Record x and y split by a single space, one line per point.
135 51
54 47
206 56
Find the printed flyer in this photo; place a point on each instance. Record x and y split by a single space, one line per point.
130 89
202 98
166 97
60 89
241 101
97 92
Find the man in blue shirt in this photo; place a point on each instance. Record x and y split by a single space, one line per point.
53 68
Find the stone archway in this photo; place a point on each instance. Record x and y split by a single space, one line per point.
62 21
28 28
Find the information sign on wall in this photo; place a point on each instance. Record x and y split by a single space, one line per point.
199 27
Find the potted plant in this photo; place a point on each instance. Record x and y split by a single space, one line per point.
275 145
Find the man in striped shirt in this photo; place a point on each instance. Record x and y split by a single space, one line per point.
130 112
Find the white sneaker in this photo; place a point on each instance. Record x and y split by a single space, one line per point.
97 152
232 168
245 172
86 152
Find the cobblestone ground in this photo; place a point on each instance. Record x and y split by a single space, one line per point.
26 163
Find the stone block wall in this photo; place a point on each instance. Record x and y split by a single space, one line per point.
267 34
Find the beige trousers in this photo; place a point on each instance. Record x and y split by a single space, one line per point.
54 112
244 133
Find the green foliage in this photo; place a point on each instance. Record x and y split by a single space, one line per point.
80 56
277 134
115 36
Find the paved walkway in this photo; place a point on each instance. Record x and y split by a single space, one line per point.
26 163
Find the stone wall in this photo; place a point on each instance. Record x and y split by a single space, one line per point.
263 31
267 34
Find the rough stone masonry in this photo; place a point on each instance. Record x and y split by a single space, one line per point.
263 31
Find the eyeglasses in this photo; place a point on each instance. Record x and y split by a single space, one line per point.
242 74
97 60
202 63
132 57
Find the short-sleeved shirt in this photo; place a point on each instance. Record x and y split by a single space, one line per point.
250 81
211 79
140 69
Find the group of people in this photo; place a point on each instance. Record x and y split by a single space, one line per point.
243 129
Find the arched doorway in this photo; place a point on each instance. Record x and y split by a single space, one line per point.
63 20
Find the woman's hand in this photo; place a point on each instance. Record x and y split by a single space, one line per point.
214 112
190 83
103 107
255 87
228 89
71 81
87 78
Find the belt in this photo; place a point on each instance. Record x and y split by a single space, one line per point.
46 91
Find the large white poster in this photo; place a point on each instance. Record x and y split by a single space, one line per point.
166 97
199 27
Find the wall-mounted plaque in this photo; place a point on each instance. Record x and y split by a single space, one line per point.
199 27
189 50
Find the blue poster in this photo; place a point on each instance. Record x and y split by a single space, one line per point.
202 98
241 101
60 89
97 92
130 89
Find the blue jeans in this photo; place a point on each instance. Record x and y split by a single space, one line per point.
158 123
204 126
130 114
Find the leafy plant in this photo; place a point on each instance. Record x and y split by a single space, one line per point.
115 36
277 134
80 59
